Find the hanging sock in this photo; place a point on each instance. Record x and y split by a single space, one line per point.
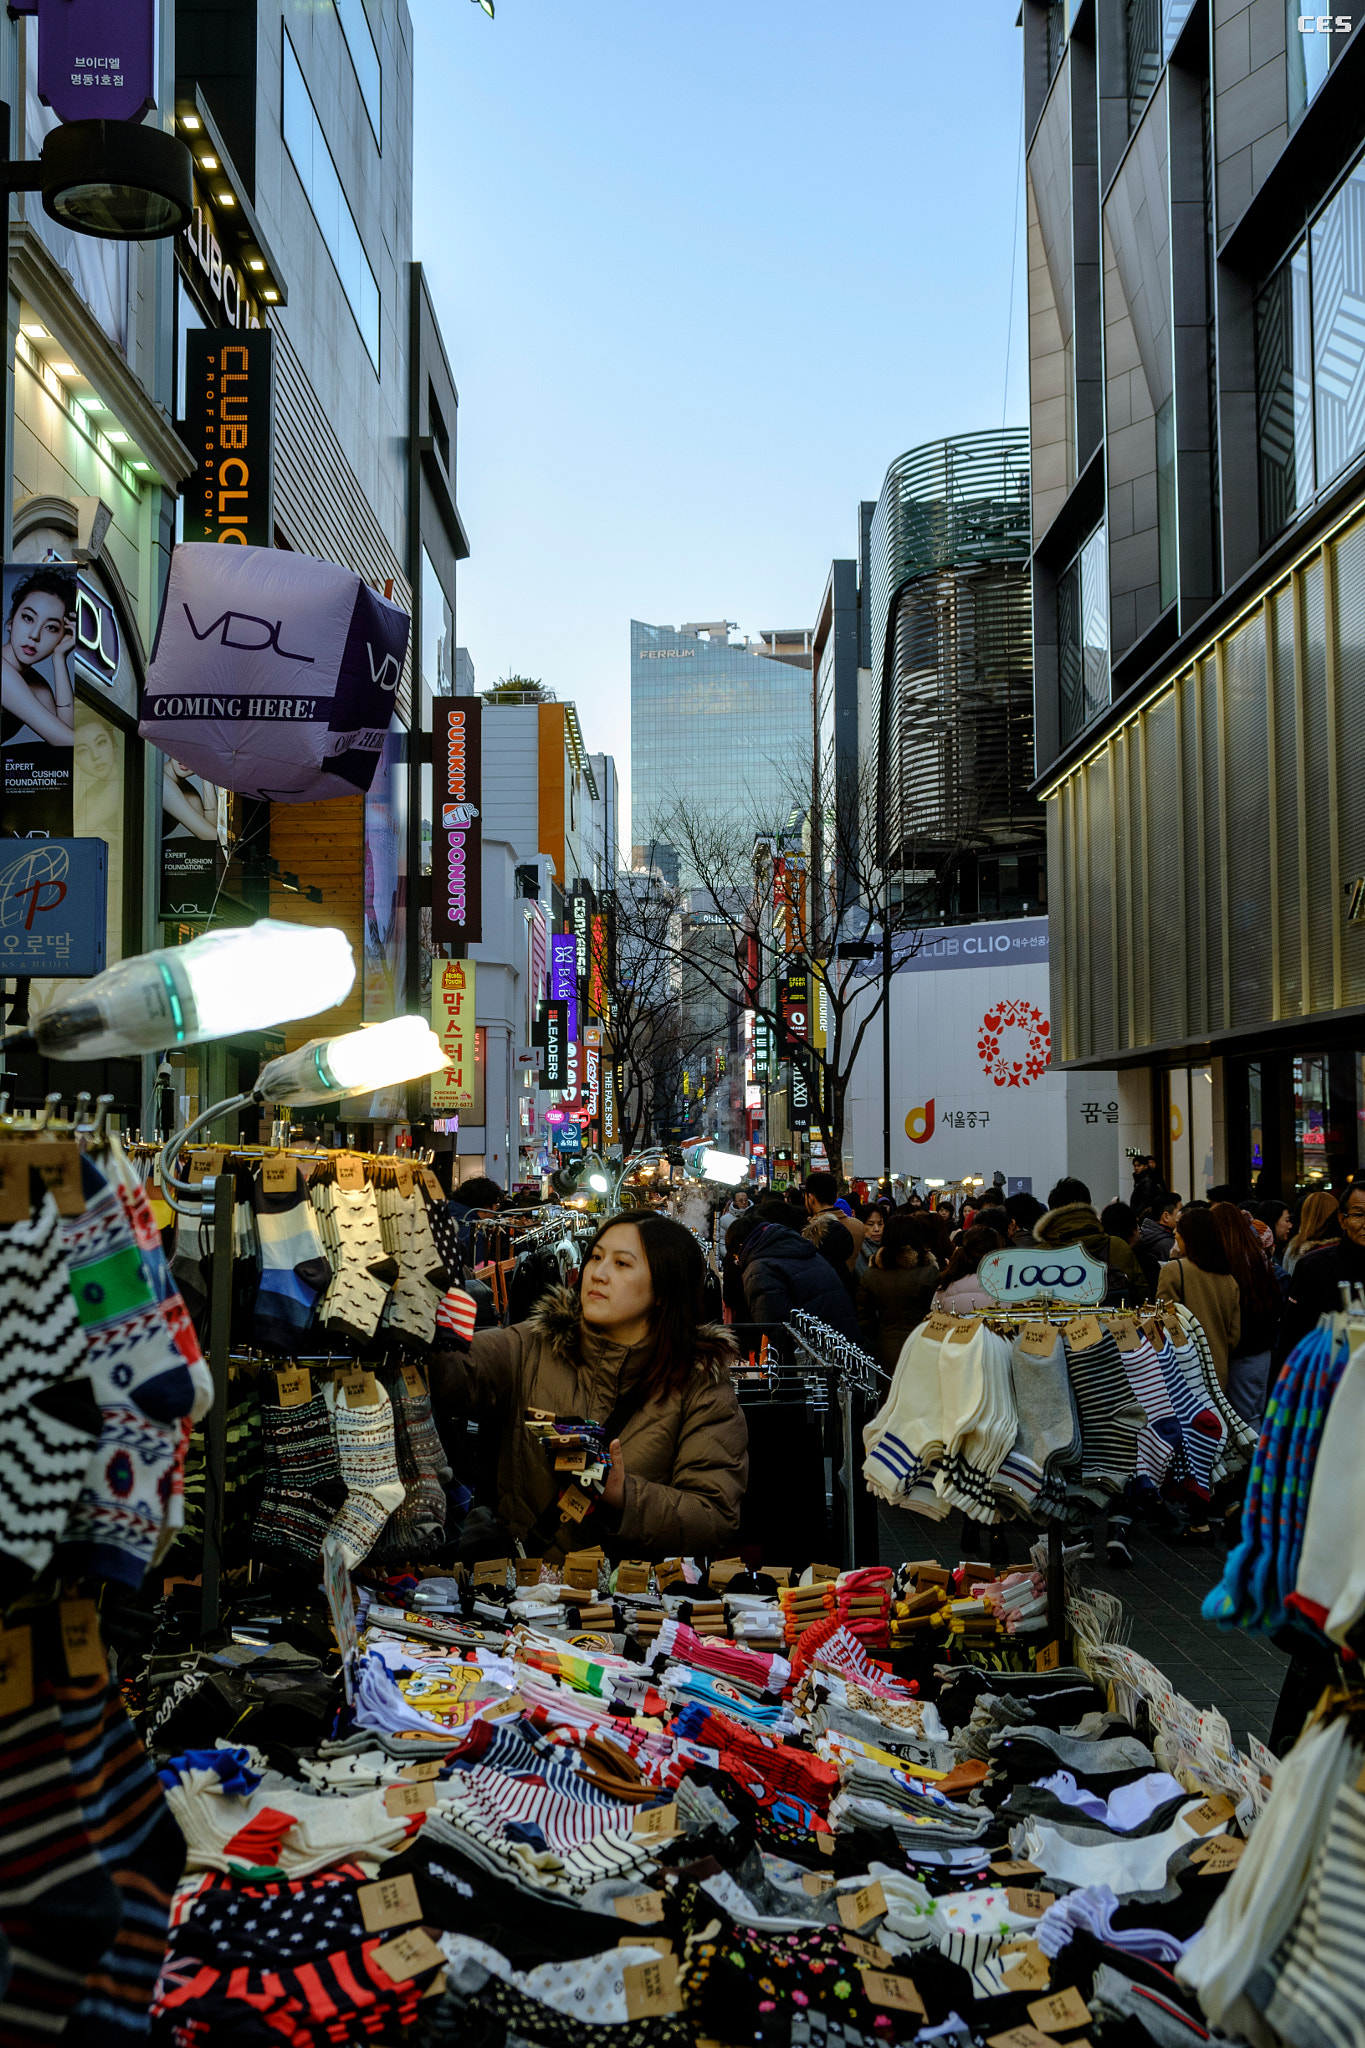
303 1484
130 1354
369 1467
294 1267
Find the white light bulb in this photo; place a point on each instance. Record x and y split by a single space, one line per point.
730 1167
361 1061
244 979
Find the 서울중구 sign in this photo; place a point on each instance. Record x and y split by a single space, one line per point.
53 900
457 832
230 425
97 58
452 1019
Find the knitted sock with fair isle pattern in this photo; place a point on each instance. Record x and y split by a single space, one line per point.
303 1484
369 1467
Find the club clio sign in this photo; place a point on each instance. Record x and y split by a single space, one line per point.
96 58
230 424
457 833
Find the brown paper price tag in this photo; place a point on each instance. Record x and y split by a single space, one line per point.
392 1902
570 1461
780 1574
825 1844
869 1952
58 1167
294 1388
657 1821
207 1165
1214 1813
963 1331
350 1172
81 1645
279 1174
419 1774
1016 1870
413 1381
897 1994
857 1908
1125 1331
645 1909
669 1572
360 1388
408 1955
1048 1658
401 1800
1028 1967
652 1988
16 1670
574 1504
493 1571
513 1704
1060 2013
431 1184
822 1573
1083 1333
938 1325
582 1577
661 1944
528 1570
403 1175
1029 1905
632 1578
1038 1340
1218 1855
815 1882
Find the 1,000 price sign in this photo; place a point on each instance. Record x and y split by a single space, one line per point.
1066 1275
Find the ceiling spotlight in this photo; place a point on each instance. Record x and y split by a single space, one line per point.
34 329
117 436
192 122
64 369
225 198
270 293
254 263
208 163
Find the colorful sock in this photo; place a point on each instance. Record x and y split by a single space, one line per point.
130 1354
138 1209
455 1319
59 1909
1110 1416
303 1484
113 1528
294 1267
369 1467
143 1852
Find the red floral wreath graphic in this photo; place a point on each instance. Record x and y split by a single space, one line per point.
1024 1016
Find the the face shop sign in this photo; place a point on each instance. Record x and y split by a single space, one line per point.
225 283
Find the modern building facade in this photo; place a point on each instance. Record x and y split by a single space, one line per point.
948 614
1196 196
719 729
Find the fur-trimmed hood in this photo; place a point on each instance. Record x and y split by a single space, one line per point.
558 1318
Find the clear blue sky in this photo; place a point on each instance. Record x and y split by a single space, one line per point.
703 270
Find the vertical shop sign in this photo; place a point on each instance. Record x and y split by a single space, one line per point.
798 1099
230 425
794 1002
53 906
457 854
764 1061
97 58
564 975
580 910
38 697
598 1003
591 1097
452 1019
554 1073
609 1130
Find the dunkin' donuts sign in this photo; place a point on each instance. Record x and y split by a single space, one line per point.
457 834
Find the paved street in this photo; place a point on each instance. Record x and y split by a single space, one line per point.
1237 1673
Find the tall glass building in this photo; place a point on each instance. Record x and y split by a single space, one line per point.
720 728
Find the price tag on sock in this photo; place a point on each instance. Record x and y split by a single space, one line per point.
392 1902
938 1325
1016 1870
652 1988
513 1704
816 1883
1029 1905
1060 2013
279 1174
821 1573
1025 1967
657 1821
870 1952
1214 1813
492 1572
632 1578
574 1504
350 1172
857 1908
1083 1333
360 1388
528 1570
401 1800
964 1330
897 1994
16 1670
294 1388
419 1774
1218 1855
570 1461
1038 1340
413 1381
646 1909
1048 1658
403 1176
81 1645
408 1955
431 1184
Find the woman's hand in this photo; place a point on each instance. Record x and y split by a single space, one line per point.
614 1492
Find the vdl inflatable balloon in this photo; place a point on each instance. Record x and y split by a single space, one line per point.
272 674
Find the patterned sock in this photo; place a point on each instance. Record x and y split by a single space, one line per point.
294 1267
1110 1416
143 1852
1206 1432
58 1906
113 1528
138 1210
410 1310
355 1299
426 1499
369 1467
455 1317
130 1353
303 1484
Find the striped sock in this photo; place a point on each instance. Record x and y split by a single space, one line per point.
1110 1416
130 1352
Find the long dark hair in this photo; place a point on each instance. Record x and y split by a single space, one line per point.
1247 1261
903 1233
54 582
677 1272
1203 1241
975 1244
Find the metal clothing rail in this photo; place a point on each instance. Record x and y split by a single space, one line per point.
852 1370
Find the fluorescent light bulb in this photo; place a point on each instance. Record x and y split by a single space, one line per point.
404 1049
730 1167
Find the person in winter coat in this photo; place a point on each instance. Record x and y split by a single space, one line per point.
1157 1225
894 1292
1072 1220
959 1290
783 1271
1319 1228
1199 1276
628 1349
1260 1303
874 1224
820 1226
1315 1284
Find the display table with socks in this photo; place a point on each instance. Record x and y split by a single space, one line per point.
653 1805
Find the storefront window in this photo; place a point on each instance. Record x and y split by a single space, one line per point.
438 640
1191 1113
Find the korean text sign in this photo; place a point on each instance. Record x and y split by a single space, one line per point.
53 902
452 1019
